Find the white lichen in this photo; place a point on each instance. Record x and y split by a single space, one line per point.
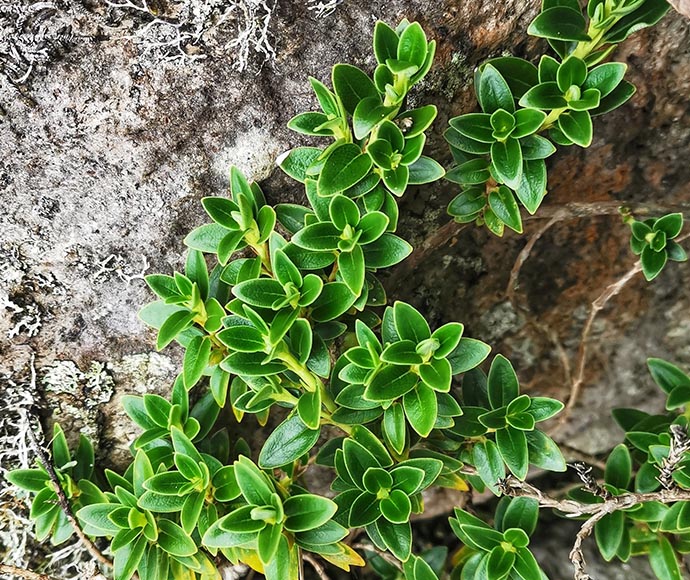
79 394
16 400
116 264
144 372
186 29
322 9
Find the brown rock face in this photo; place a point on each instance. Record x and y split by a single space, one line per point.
108 141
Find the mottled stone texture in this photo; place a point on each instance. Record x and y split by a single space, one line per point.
105 153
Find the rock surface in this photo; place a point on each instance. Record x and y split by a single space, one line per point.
111 130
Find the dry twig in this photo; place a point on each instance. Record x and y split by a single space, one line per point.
385 555
64 502
524 255
571 508
314 563
611 291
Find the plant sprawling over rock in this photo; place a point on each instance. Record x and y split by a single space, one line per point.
291 319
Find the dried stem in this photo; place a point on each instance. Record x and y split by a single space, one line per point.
524 255
680 444
64 502
571 508
22 573
448 232
314 563
611 291
385 555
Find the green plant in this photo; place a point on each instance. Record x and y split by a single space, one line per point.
526 109
653 240
291 321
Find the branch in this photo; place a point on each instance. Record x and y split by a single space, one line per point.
22 573
385 555
512 487
448 232
314 563
598 305
64 502
611 291
523 256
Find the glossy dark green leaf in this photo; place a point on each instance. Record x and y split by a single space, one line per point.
666 375
352 268
296 161
503 382
506 160
543 452
335 299
424 170
391 382
487 459
493 91
663 560
545 95
309 124
436 374
421 409
503 204
618 467
369 113
309 409
386 251
621 94
559 23
306 512
344 167
206 238
577 126
532 188
512 445
468 354
290 440
127 558
195 360
352 85
394 427
648 14
652 262
572 71
251 365
608 532
605 77
385 42
176 323
396 179
527 122
520 74
397 538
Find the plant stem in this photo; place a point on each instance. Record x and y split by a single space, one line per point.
64 502
514 488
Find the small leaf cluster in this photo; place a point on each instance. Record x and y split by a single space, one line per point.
499 552
498 426
181 502
500 152
429 565
377 146
377 493
654 529
653 240
75 472
406 376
